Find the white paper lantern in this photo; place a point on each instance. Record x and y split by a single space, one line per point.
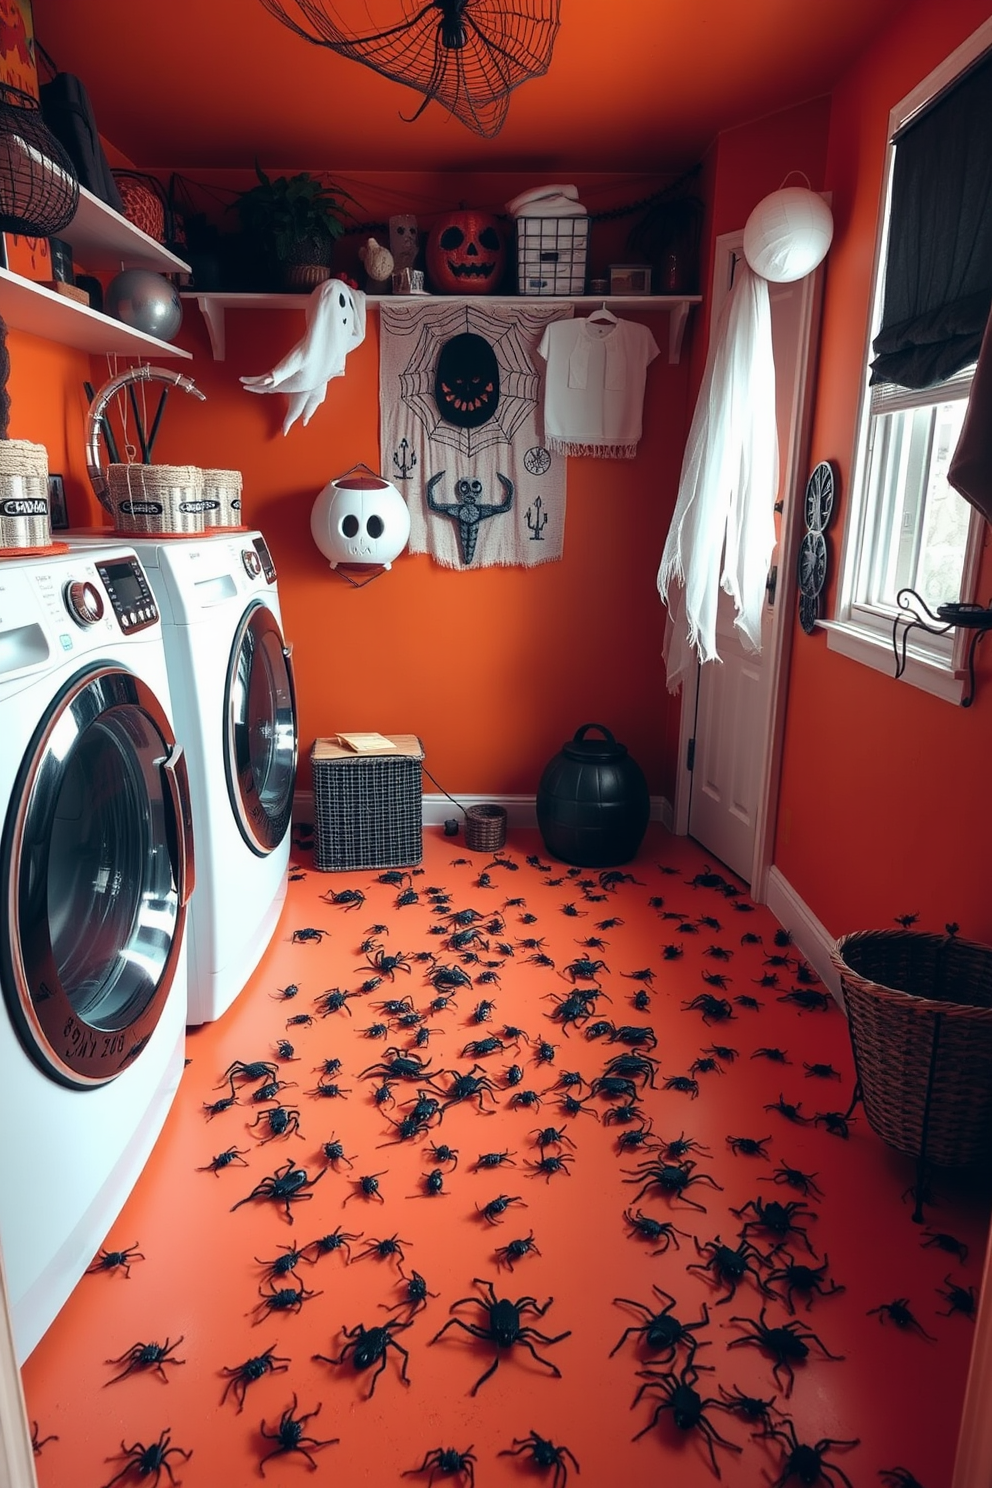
788 234
360 518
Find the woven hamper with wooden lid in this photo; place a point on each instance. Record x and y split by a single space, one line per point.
368 807
919 1008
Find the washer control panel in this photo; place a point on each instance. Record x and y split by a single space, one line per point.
127 589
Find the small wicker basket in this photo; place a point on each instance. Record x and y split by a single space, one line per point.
222 498
25 520
485 828
156 498
920 1013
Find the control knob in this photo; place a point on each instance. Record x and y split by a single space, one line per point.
84 602
252 562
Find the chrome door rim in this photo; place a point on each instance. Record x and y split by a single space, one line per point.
262 829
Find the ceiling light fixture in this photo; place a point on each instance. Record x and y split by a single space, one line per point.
468 55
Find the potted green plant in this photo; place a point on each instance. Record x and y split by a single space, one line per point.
295 222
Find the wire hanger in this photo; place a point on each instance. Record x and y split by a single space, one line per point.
603 313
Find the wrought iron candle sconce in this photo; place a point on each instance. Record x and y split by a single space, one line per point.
972 617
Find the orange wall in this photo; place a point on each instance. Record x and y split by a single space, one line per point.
495 668
885 806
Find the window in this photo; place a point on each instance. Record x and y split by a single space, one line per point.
907 528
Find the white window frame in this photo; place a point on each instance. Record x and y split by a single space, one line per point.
936 664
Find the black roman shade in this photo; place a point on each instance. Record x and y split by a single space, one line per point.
938 269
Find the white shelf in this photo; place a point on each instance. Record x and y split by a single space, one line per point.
104 241
27 306
214 307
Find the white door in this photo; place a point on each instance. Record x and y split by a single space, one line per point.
729 726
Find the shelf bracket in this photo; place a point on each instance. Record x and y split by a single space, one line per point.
213 314
677 317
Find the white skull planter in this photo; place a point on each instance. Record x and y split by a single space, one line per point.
360 518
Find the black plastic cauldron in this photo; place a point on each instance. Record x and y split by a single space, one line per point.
592 802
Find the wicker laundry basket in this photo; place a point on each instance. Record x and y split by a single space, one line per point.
485 827
920 1013
156 498
25 520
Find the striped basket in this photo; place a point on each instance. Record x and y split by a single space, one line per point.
25 520
919 1008
156 498
222 498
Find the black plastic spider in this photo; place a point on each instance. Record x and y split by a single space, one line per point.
551 1163
387 965
146 1356
808 1280
751 1408
804 1183
148 1460
936 1239
647 1228
543 1454
688 1407
804 1461
346 899
788 1345
502 1326
958 1298
474 1085
308 934
791 1112
278 1121
415 1295
38 1441
290 1436
366 1187
515 1250
384 1250
713 1009
326 1244
368 1346
662 1332
335 1001
448 1462
112 1260
777 1220
497 1207
286 1185
821 1071
728 1266
749 1146
333 1153
281 1299
898 1312
777 1056
672 1179
256 1069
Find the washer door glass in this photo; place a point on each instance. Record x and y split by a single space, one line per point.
96 877
260 731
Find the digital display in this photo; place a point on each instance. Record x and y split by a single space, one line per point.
125 584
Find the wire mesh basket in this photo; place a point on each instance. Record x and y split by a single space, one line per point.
551 255
368 808
39 189
920 1014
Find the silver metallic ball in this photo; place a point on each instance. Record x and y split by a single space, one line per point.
146 302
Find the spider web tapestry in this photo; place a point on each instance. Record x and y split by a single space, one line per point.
461 426
469 55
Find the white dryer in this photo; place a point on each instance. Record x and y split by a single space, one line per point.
231 680
96 853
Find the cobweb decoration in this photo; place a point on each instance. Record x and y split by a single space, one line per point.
469 55
519 383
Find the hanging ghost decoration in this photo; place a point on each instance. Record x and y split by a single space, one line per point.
335 325
466 383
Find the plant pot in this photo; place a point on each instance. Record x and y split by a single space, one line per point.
305 276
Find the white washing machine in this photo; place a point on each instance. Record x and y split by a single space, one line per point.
97 862
231 680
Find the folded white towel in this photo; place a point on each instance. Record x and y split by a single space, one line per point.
547 201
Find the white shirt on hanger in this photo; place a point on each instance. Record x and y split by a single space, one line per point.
594 388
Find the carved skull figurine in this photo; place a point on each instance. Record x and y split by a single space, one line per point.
404 240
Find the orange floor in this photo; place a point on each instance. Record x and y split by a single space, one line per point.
200 1286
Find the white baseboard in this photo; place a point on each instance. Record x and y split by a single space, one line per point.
521 811
811 939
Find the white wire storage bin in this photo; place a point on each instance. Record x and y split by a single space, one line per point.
551 255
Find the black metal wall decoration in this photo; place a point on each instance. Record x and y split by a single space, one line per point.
973 617
39 189
469 55
818 504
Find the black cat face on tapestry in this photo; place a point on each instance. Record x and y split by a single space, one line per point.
466 384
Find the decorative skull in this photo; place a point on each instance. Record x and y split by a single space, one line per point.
466 253
404 240
360 518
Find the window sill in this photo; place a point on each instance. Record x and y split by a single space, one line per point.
870 649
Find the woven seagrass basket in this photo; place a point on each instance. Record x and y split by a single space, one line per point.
24 513
156 498
485 828
222 498
920 1014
